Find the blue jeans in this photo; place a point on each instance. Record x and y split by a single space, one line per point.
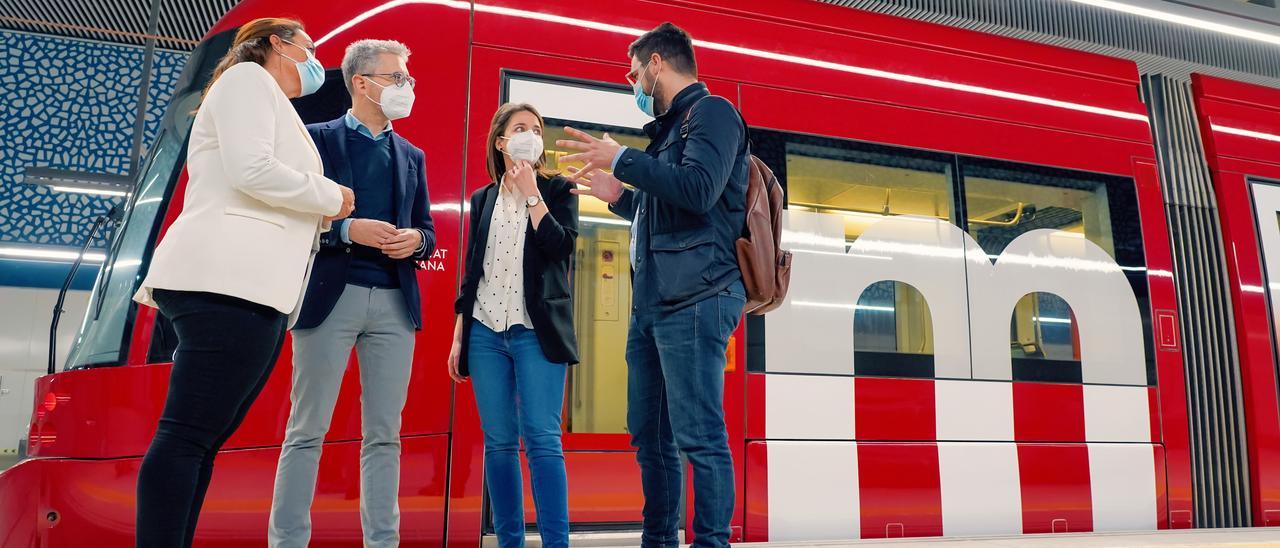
520 395
675 391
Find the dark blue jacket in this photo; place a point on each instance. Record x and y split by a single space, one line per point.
691 191
413 210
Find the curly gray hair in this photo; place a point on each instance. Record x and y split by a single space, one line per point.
362 57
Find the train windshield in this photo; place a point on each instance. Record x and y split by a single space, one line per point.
103 338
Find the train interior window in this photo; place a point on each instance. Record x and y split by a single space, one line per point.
1043 332
597 391
893 330
1004 201
1043 326
864 187
995 202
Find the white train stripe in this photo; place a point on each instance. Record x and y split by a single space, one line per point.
974 410
981 490
809 407
1117 413
813 491
1122 480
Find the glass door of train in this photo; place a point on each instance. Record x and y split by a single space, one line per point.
1266 203
604 481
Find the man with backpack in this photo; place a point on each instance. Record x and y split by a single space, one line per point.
687 209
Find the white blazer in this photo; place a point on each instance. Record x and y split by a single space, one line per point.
255 199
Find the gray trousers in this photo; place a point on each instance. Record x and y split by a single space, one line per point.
376 322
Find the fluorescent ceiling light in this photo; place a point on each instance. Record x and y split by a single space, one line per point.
94 191
49 254
1246 133
1189 21
61 180
605 221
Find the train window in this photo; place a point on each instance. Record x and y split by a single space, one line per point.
597 388
1003 203
893 330
995 202
1043 332
864 186
103 337
101 341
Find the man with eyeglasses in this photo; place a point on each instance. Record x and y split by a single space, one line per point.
362 292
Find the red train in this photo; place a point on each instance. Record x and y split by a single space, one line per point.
982 335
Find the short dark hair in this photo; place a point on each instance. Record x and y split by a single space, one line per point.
670 42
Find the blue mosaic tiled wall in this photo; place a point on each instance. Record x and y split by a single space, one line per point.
69 104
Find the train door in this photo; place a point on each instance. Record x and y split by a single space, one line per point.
604 482
1238 125
963 349
1266 204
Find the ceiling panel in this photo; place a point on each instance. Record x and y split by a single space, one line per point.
180 26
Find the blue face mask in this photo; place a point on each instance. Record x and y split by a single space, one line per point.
645 100
310 71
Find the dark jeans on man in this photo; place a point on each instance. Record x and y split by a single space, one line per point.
675 391
226 350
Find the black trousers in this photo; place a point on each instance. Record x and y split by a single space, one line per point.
227 348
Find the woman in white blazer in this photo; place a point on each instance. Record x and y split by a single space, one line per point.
232 268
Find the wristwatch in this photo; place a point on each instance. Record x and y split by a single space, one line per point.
533 201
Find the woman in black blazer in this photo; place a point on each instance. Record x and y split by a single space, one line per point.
514 335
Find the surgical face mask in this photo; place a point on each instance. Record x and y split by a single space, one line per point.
645 100
310 71
396 102
526 146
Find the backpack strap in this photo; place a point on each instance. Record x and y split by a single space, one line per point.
684 126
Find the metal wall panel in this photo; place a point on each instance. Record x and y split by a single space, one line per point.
1158 47
181 22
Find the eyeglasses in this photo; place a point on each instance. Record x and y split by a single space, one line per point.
398 79
634 74
309 49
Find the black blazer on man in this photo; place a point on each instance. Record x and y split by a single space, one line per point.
412 210
548 256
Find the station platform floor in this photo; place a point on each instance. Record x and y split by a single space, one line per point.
1252 537
1193 537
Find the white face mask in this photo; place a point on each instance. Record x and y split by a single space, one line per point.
397 102
526 146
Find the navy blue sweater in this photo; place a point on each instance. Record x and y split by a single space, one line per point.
371 172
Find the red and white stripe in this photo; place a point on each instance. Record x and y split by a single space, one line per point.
876 457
